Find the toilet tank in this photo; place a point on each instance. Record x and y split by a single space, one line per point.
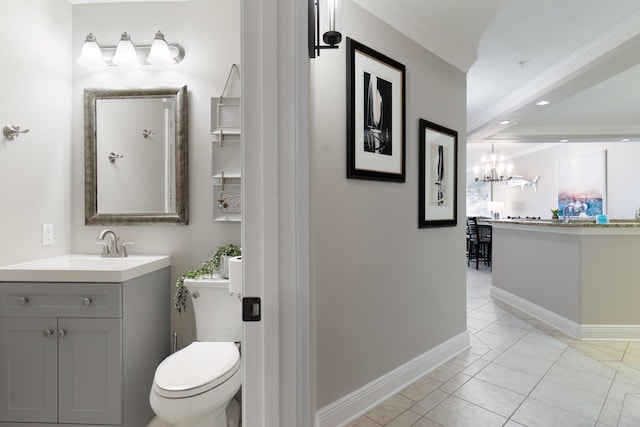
218 313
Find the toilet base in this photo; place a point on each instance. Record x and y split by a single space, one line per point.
232 415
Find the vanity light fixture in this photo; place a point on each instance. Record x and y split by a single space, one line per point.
329 17
493 167
128 55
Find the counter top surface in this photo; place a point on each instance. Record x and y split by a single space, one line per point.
83 268
571 223
575 226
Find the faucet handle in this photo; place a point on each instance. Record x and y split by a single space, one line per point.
123 248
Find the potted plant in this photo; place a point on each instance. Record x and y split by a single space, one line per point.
220 260
554 213
217 263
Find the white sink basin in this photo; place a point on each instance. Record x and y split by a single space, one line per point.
83 268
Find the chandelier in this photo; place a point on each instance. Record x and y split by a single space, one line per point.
493 167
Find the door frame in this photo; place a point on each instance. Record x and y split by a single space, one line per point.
277 356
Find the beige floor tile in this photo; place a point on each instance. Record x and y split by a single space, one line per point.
632 355
489 396
466 358
455 412
579 361
631 409
573 390
454 383
445 372
406 419
534 413
430 401
390 409
508 378
494 340
426 422
363 421
612 408
421 388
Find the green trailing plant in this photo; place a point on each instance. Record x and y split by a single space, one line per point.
208 268
229 250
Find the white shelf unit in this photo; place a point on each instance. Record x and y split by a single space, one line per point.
227 197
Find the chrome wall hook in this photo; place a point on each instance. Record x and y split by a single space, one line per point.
11 132
113 157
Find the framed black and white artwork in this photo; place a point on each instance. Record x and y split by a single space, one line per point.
438 184
375 115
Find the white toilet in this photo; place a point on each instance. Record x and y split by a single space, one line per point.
195 386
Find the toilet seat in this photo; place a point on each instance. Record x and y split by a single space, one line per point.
195 369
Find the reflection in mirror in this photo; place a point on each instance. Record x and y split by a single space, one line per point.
136 156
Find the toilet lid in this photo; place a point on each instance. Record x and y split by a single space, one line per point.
197 368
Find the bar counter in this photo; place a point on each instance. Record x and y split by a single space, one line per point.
579 277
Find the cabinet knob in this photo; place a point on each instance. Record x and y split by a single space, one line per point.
62 333
47 333
86 301
23 300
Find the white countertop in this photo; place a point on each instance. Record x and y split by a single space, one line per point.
83 268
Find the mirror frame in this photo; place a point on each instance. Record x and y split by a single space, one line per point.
92 216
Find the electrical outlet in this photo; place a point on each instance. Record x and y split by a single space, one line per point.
47 234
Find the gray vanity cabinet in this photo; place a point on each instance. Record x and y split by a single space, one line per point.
76 354
66 370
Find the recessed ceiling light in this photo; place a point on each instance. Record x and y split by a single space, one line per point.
564 140
505 122
625 140
543 102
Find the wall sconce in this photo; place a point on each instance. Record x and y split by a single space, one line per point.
329 17
128 55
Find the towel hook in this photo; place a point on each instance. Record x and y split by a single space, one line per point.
11 132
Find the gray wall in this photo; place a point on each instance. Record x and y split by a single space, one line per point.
36 95
385 291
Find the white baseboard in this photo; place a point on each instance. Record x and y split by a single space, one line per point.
542 314
573 329
610 332
362 400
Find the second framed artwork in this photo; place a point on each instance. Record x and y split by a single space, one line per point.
438 183
375 115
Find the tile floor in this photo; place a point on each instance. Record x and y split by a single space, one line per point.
519 372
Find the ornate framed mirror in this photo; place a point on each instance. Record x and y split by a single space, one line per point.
135 151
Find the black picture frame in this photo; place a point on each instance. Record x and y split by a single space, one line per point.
438 176
376 146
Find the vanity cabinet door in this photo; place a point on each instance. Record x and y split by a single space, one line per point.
90 370
28 369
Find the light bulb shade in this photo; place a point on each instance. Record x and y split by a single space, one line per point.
126 55
160 53
91 54
331 21
509 168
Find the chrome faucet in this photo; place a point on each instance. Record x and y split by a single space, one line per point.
565 218
114 249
